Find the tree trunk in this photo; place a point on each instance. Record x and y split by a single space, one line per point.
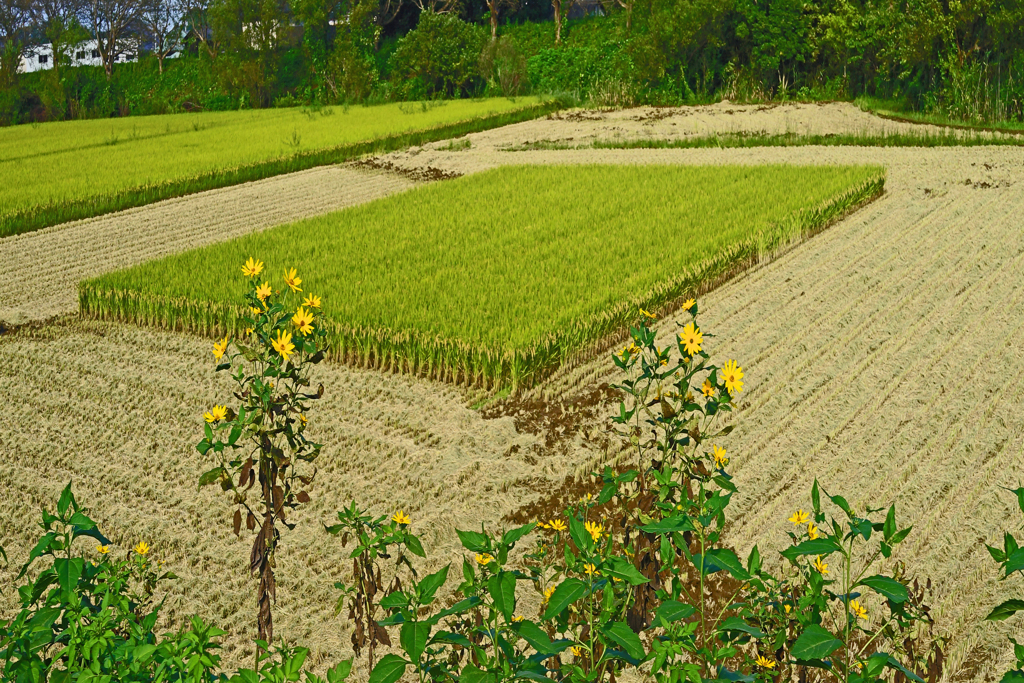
492 5
160 61
557 4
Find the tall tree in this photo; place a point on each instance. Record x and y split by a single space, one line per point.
162 24
115 26
562 9
14 26
495 7
197 22
59 21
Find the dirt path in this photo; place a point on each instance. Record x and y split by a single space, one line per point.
42 269
883 357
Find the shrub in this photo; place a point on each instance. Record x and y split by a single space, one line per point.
440 57
503 66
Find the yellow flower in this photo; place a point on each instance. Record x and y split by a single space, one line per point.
103 549
311 301
292 280
708 389
812 531
400 516
787 608
858 610
142 548
263 291
799 517
556 525
220 347
216 414
822 567
577 651
255 311
733 376
248 330
303 320
720 459
765 663
283 344
548 592
252 268
688 304
517 618
595 530
647 314
691 339
590 569
483 558
302 419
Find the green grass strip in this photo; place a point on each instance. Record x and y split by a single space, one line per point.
743 140
37 217
497 279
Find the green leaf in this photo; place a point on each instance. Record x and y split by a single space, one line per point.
819 546
886 586
471 674
430 584
717 559
737 624
388 670
413 637
1014 562
211 477
65 500
672 611
566 593
894 664
458 608
621 634
1005 610
68 572
538 639
474 541
815 643
513 535
502 588
889 528
414 545
669 525
394 600
579 534
623 569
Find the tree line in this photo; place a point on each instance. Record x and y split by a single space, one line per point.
964 58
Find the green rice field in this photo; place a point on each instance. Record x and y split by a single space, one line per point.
54 172
499 277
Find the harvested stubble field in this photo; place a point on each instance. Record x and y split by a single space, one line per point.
888 344
464 281
87 168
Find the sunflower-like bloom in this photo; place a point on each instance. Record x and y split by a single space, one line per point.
708 389
293 280
648 314
219 348
548 592
556 525
733 376
302 419
688 304
400 517
858 610
263 291
577 651
311 301
590 569
303 320
103 549
252 267
765 663
142 548
691 339
812 531
283 344
517 618
720 459
216 414
822 567
799 518
595 530
484 558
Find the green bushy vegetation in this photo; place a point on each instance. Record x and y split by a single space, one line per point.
502 276
85 168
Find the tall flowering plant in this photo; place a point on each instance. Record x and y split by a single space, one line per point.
264 458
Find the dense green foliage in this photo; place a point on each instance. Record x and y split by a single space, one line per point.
85 168
467 280
962 60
